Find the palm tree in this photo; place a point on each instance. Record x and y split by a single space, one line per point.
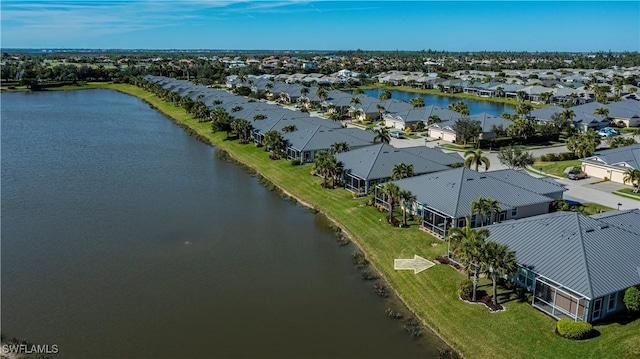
304 91
391 192
274 142
289 128
433 119
405 197
459 107
241 127
498 261
546 97
523 109
382 135
494 207
471 253
381 109
328 166
384 95
339 147
568 114
321 93
602 111
480 206
475 157
633 177
417 102
402 170
522 95
355 100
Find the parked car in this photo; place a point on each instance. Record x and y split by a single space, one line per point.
576 175
606 132
396 134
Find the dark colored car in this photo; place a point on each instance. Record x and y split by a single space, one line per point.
576 175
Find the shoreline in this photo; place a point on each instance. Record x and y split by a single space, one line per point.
468 330
344 230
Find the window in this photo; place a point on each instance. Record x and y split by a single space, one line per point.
613 301
514 212
462 222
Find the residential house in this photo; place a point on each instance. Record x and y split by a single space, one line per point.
443 199
371 165
576 266
611 164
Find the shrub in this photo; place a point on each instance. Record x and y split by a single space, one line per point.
466 288
366 275
359 259
393 314
573 330
296 162
632 299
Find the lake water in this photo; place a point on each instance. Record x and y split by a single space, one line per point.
475 107
124 237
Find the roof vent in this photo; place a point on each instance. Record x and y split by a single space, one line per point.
469 179
604 226
483 177
589 230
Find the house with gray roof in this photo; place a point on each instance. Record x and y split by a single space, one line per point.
305 143
443 199
371 165
403 119
576 266
612 163
444 130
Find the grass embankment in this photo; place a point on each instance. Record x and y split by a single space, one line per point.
436 92
555 168
519 332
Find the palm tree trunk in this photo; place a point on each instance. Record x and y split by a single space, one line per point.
495 287
475 283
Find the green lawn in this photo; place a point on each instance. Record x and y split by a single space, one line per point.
555 168
519 332
629 192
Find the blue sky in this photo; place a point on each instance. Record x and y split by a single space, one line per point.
323 25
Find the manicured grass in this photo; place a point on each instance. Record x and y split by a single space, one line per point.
506 101
555 168
519 332
628 192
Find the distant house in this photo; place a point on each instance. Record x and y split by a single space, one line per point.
576 266
402 119
443 199
445 130
371 165
304 144
612 163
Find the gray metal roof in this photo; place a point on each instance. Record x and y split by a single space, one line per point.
584 254
377 161
628 219
624 157
451 192
545 113
321 138
435 154
544 186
